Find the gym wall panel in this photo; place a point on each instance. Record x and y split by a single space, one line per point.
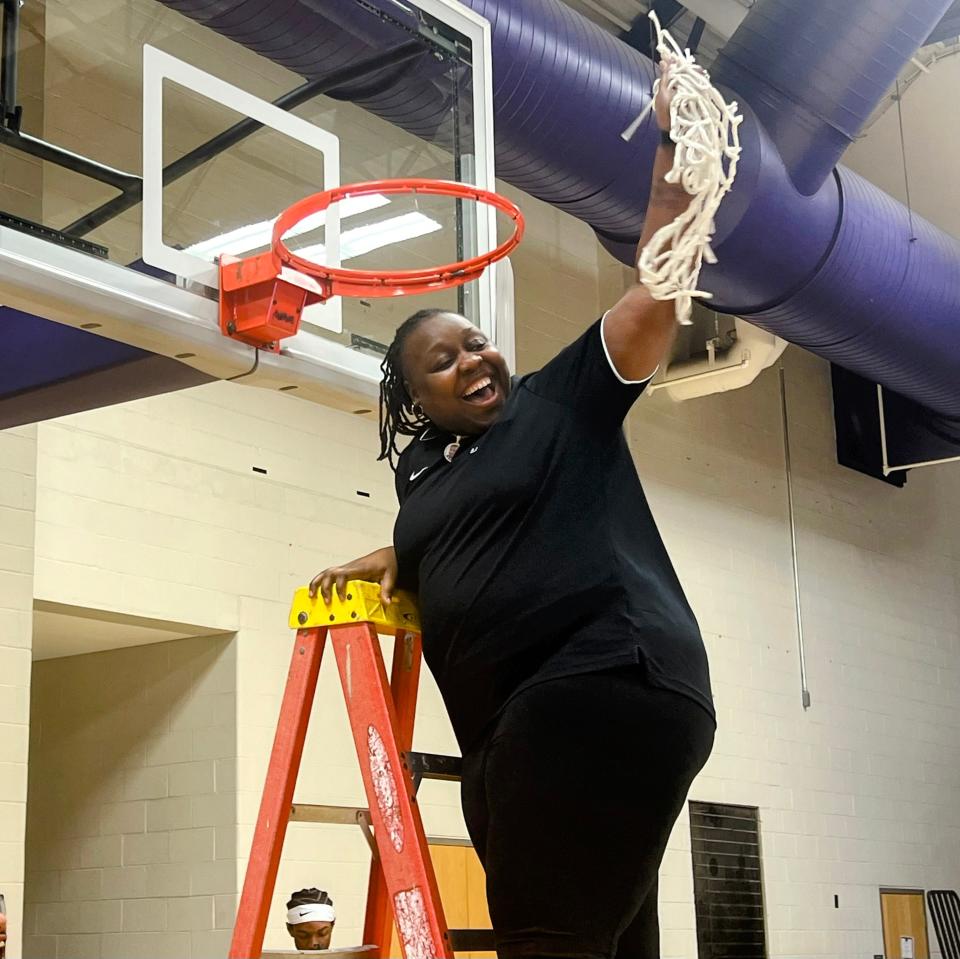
131 831
862 790
18 452
153 509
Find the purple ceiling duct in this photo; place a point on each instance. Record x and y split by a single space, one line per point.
813 254
813 71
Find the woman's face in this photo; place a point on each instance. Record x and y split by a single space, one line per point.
456 374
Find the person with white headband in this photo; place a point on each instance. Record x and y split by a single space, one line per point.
310 919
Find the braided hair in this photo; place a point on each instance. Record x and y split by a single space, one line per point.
398 417
309 897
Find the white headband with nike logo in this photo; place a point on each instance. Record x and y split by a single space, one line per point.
311 912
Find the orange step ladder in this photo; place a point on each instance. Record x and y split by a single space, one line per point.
402 886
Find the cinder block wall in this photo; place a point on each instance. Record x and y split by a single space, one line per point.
18 456
862 790
131 832
153 510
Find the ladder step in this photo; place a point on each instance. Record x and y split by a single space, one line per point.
434 766
344 953
341 815
471 940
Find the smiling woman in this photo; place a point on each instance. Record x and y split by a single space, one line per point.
434 387
552 618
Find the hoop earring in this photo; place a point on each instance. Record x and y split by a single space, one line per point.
417 409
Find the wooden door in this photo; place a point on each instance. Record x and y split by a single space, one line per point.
462 884
904 915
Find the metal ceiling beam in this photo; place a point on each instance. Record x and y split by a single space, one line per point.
948 28
724 16
640 34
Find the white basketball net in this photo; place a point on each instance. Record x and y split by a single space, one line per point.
705 129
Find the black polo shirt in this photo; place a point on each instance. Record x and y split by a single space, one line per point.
534 552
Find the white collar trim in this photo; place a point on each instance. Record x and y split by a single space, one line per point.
613 367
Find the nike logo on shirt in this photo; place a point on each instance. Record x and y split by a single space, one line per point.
413 476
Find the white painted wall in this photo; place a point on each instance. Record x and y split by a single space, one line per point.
153 510
131 826
198 537
862 790
18 455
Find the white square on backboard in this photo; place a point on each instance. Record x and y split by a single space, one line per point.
159 66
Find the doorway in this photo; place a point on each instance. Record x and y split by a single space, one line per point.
462 885
904 924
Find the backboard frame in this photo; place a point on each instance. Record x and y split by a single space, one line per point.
477 29
132 306
159 66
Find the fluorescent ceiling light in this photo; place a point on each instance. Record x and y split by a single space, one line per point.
245 239
373 236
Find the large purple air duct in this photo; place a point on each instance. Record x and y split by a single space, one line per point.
813 71
884 299
817 256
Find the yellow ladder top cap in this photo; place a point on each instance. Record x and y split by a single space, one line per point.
361 604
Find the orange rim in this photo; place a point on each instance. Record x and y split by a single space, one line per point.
340 281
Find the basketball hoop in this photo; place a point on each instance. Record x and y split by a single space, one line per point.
262 297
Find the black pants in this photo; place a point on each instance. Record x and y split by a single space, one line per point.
570 800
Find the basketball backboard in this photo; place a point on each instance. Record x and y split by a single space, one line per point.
225 136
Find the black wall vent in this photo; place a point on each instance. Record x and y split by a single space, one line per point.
727 881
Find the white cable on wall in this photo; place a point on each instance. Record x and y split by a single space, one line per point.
705 129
